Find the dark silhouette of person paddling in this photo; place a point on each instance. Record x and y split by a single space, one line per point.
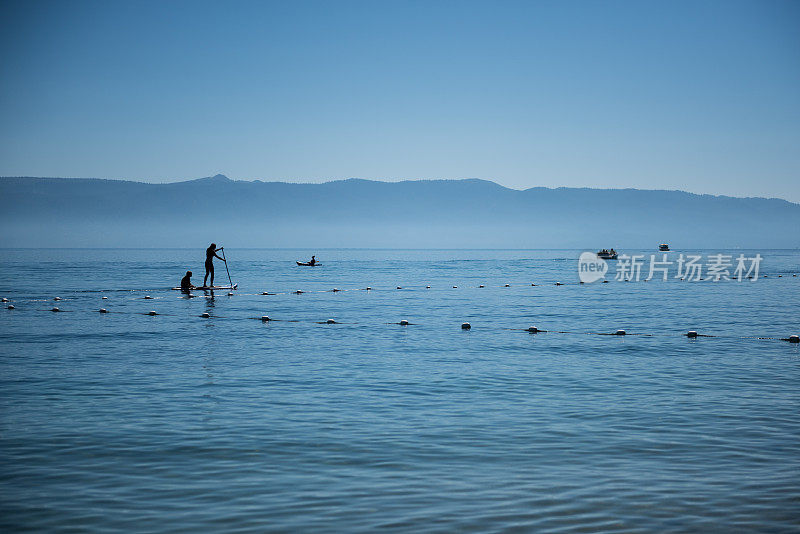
211 253
313 260
186 281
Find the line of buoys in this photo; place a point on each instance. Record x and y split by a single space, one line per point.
691 334
368 288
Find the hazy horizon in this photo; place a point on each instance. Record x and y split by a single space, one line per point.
399 180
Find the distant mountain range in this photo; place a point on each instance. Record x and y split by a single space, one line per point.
72 212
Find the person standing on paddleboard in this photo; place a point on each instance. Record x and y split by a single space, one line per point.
211 253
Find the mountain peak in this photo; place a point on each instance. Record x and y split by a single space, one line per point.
217 178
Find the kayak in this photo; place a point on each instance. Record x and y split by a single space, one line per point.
209 288
306 264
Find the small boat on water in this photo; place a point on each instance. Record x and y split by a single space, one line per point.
607 254
663 247
306 264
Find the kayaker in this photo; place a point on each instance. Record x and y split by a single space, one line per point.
313 260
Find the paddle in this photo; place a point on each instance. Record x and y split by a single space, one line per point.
226 268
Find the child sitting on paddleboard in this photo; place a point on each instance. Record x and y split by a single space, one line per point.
186 281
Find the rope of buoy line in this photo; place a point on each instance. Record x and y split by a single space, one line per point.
553 283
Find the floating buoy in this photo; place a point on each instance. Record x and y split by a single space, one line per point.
507 285
205 315
335 290
152 312
794 338
265 293
55 310
147 297
10 306
57 298
605 281
427 287
104 298
455 287
533 330
559 284
265 318
780 276
330 321
403 322
581 282
619 333
465 326
230 293
398 287
691 333
369 288
298 292
103 310
481 285
5 299
533 285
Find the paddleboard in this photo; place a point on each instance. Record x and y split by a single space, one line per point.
210 288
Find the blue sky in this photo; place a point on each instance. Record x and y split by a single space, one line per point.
699 96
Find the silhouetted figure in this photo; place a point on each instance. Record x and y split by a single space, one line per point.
186 281
313 260
211 253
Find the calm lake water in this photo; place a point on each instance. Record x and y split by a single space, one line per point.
176 422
